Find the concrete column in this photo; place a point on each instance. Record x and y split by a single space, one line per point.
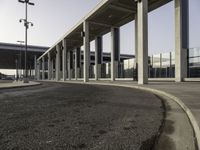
69 64
115 52
52 69
86 52
98 57
181 38
35 64
77 62
152 59
64 42
142 33
160 70
38 70
49 66
57 62
136 48
170 69
43 68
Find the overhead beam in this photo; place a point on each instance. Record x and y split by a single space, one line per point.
100 24
72 40
156 4
122 8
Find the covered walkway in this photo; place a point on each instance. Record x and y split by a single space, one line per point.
109 16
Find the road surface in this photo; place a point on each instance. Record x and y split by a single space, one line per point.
56 116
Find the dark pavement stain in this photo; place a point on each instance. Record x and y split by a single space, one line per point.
51 125
168 129
102 132
165 143
127 128
148 144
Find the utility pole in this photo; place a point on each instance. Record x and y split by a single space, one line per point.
26 24
17 73
20 58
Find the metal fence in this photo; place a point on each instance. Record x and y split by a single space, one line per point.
194 63
160 66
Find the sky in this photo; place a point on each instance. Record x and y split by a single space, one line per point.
53 18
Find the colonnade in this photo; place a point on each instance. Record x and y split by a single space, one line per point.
141 48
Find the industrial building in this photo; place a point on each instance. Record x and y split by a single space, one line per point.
12 56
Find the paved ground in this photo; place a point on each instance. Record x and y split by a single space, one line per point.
13 84
68 116
6 81
188 92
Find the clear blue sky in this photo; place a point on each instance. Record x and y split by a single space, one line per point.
52 18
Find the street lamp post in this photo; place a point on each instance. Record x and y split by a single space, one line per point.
26 24
20 57
17 73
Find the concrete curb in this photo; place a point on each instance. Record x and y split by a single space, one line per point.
20 86
161 93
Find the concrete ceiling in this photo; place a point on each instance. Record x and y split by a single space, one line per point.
109 13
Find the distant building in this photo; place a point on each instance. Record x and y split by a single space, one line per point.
10 54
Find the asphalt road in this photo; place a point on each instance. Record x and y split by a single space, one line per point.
56 116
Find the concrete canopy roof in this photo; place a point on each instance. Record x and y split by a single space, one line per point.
107 14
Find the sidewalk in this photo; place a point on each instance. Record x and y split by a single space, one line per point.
17 84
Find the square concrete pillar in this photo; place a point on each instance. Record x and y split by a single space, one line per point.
75 65
142 41
69 64
64 61
57 62
98 56
115 52
52 69
43 68
38 69
49 66
86 52
181 38
160 69
35 66
136 48
77 62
